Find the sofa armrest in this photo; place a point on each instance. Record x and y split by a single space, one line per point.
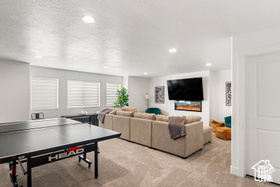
194 137
161 139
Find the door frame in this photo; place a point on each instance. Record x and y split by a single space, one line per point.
239 106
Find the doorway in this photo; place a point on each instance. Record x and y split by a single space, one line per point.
263 112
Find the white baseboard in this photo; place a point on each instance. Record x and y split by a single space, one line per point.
234 170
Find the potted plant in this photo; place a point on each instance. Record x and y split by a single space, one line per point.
122 98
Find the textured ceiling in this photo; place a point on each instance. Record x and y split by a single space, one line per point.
130 37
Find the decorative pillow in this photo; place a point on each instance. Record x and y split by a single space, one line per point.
125 113
113 112
134 109
191 119
162 118
145 116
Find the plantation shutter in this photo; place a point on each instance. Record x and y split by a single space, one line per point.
44 93
83 94
111 93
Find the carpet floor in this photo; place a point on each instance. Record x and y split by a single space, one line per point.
122 163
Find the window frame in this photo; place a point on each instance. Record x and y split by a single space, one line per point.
57 93
83 106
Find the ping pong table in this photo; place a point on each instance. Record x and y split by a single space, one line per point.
40 142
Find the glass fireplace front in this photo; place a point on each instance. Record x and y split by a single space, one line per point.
195 106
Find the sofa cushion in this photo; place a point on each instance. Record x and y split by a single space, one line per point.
145 116
114 109
108 122
125 113
141 131
191 119
162 118
206 129
113 112
207 133
122 124
134 109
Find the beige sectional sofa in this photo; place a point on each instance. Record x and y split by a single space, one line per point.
152 130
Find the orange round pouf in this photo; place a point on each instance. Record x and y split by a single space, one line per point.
223 133
215 124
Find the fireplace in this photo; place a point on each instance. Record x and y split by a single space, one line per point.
195 106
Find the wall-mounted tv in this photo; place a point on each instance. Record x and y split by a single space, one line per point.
185 89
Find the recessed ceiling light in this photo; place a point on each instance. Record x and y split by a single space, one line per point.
145 73
208 64
172 50
38 56
88 19
105 67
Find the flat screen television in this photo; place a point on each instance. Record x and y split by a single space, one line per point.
185 89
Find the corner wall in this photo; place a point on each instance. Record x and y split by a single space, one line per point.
159 81
137 88
217 83
14 94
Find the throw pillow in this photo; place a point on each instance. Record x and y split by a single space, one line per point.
162 118
125 113
145 116
134 109
191 119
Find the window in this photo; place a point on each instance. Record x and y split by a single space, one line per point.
83 94
111 93
44 93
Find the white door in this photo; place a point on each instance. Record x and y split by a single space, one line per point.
263 112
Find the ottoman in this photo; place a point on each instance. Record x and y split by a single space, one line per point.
215 124
223 133
207 133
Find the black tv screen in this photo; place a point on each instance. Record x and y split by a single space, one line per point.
185 89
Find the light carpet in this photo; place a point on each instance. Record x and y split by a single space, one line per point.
122 163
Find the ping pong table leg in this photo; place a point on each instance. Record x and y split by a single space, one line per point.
96 160
29 175
13 175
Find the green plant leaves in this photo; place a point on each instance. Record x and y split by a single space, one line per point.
122 98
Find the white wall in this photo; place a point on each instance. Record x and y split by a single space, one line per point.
125 82
159 81
217 83
168 106
137 88
259 42
14 91
63 76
